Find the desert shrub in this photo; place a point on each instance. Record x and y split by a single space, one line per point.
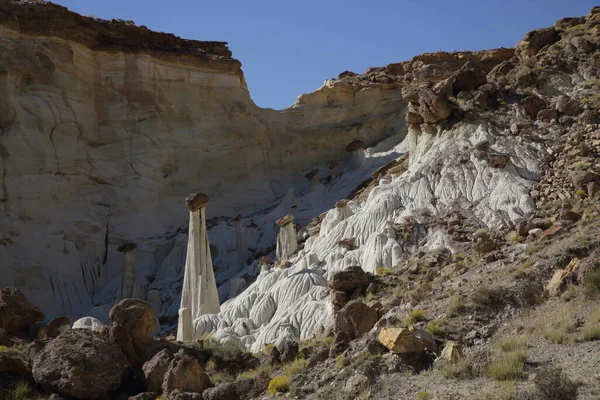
279 384
591 285
417 315
508 367
22 391
513 343
419 293
570 292
228 351
488 298
423 395
383 271
295 367
340 360
462 369
552 383
251 373
436 327
456 307
528 292
591 329
506 390
558 327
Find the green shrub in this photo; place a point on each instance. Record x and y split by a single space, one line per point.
458 370
279 384
437 327
422 395
553 384
508 367
295 367
417 315
515 343
383 271
21 391
340 361
591 285
488 299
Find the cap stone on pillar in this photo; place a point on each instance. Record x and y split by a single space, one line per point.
283 221
196 201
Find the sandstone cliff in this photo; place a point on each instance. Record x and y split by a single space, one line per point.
105 127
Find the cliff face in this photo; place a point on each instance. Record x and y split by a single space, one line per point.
105 127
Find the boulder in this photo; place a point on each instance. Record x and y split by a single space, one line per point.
349 279
16 312
355 319
81 364
547 115
181 395
356 384
582 178
185 374
225 391
407 341
532 105
452 352
469 77
274 356
414 118
136 316
156 369
58 325
242 389
89 323
432 107
145 396
567 106
536 40
289 351
562 277
588 265
12 362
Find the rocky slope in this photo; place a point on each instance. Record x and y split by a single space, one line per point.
105 127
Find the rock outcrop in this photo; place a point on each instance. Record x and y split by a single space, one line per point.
80 363
16 312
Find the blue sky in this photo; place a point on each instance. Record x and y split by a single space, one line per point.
291 47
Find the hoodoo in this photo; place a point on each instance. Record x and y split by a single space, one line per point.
199 292
341 211
313 177
127 284
357 149
286 239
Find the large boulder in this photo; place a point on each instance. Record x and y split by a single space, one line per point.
469 77
432 107
136 316
89 323
185 374
567 106
16 312
156 369
58 325
81 364
349 279
355 319
532 105
407 341
246 388
536 40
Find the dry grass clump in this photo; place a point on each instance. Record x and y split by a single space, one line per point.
279 384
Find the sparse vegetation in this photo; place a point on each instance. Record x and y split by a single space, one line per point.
513 343
417 315
254 372
458 370
383 271
437 327
488 298
422 395
457 306
591 329
591 285
279 384
339 361
295 367
552 383
508 367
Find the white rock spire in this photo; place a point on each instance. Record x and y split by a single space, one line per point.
286 239
357 149
199 292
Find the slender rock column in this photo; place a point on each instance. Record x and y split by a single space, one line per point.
199 292
286 239
335 216
357 148
127 284
184 325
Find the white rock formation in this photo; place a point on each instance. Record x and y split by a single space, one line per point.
199 293
127 283
185 332
88 323
314 179
341 211
356 149
241 242
286 239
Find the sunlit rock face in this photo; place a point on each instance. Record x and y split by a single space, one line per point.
104 127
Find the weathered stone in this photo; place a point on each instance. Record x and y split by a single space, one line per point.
156 369
196 200
274 356
80 363
355 145
185 374
16 312
289 351
356 384
582 178
404 340
532 105
535 40
588 265
225 391
452 352
14 363
432 107
349 279
283 221
469 77
562 277
414 118
89 323
136 316
547 115
145 396
567 106
355 319
183 395
58 325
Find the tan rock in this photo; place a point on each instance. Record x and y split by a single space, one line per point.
406 341
452 352
562 277
185 374
136 316
283 221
